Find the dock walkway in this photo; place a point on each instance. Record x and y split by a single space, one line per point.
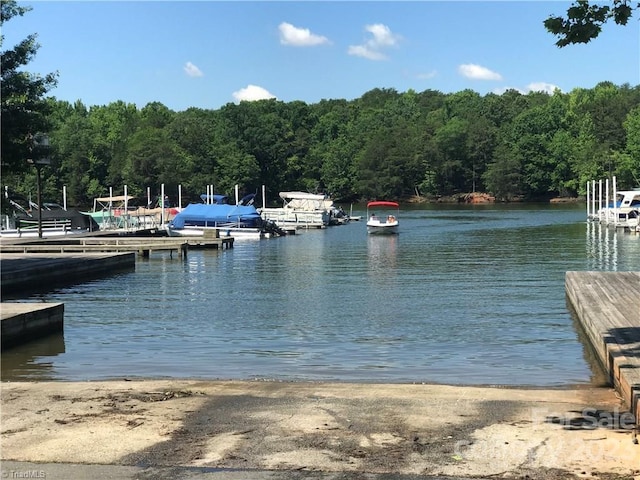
608 307
142 245
21 274
23 322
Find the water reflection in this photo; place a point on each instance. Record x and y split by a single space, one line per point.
611 249
382 253
464 294
34 360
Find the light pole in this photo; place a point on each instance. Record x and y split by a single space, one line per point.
40 146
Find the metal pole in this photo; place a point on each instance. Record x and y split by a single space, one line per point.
615 203
607 210
126 209
162 196
38 181
593 198
588 203
600 199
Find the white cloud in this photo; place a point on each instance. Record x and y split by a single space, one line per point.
478 72
193 71
382 38
251 93
365 52
542 87
299 37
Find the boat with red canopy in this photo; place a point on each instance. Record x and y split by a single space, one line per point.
382 217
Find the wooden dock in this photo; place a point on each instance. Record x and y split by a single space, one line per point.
143 246
607 305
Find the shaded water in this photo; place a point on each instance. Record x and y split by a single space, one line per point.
466 295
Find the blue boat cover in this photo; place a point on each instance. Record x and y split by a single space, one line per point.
200 214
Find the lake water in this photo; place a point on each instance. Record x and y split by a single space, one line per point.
463 295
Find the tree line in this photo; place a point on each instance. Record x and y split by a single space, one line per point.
385 144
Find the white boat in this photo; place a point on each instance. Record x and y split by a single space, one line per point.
624 212
300 210
379 220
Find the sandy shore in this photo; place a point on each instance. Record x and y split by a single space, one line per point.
402 429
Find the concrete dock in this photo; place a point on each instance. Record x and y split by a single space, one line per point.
22 274
23 322
607 305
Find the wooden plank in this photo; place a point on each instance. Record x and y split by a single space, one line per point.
115 244
607 305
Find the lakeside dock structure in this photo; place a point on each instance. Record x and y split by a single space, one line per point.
32 265
24 322
607 306
106 243
604 207
22 274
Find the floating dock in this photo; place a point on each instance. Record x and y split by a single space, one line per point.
607 305
22 274
141 245
23 322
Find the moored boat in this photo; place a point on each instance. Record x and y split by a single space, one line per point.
50 223
300 210
222 219
623 212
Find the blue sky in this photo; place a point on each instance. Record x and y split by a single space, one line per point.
208 53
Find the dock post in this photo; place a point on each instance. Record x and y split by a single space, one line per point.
607 210
600 200
615 203
588 203
593 198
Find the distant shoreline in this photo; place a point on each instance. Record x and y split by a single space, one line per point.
479 198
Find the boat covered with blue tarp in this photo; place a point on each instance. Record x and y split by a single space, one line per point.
217 214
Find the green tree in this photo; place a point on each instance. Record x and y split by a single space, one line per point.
112 126
79 169
584 20
452 141
154 159
631 164
503 175
24 109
